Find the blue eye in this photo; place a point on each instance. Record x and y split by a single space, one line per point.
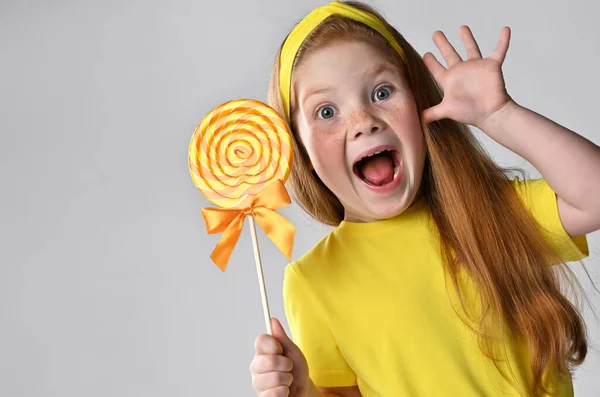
382 93
326 112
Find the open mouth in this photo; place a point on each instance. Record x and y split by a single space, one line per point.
379 168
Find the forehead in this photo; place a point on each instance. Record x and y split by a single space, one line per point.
338 62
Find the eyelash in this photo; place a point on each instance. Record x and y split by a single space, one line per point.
389 87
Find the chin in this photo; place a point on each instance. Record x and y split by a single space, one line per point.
390 207
388 212
378 212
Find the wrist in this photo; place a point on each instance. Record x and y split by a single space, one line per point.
313 391
494 122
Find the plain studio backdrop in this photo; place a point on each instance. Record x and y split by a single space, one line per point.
106 286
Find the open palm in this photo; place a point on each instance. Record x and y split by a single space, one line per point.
473 89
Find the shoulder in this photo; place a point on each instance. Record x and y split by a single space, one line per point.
531 190
319 258
542 203
539 199
315 269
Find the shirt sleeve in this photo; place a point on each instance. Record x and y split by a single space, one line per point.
312 334
542 203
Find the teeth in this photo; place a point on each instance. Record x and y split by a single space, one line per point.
373 154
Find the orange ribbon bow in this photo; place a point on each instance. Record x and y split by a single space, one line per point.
262 208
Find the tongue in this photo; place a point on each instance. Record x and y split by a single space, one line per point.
378 170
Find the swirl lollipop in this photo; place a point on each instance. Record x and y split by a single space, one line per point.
240 156
237 149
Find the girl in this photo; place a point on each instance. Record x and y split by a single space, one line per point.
441 276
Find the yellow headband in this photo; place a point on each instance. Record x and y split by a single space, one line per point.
307 25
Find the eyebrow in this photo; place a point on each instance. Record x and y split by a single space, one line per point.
384 67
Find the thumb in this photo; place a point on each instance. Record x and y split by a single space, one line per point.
279 334
433 113
290 350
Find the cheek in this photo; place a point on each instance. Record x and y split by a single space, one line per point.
325 148
407 124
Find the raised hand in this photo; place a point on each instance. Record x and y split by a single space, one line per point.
473 89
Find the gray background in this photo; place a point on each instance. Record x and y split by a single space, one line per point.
106 288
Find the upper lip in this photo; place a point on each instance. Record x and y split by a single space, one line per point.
373 150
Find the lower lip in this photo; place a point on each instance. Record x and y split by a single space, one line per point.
390 186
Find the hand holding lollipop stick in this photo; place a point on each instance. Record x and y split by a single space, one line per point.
239 158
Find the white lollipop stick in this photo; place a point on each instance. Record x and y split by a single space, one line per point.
259 272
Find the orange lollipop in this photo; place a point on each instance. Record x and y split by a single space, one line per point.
239 147
239 158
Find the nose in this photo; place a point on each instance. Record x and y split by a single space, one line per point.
364 122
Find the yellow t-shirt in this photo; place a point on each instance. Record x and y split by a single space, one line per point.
368 306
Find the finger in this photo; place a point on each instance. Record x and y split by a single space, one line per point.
264 363
434 66
447 50
267 344
433 113
473 51
270 380
499 53
279 391
279 333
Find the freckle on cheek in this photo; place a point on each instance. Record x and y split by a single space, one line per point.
324 136
397 117
353 119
